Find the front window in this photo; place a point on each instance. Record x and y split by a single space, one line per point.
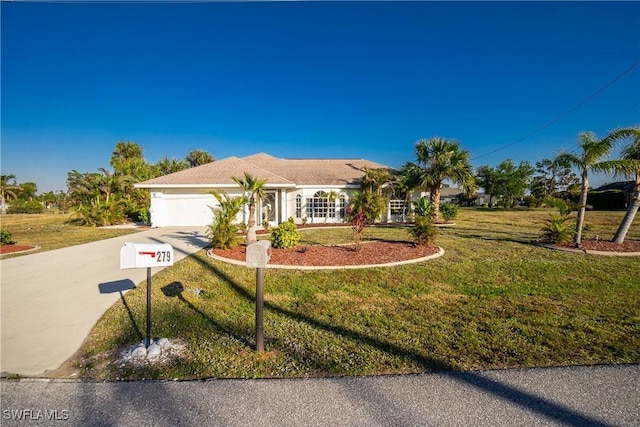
318 205
298 206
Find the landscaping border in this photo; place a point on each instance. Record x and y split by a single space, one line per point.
585 251
438 254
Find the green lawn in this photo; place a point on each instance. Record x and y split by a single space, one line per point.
493 300
53 231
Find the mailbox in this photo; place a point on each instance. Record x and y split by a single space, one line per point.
258 254
145 255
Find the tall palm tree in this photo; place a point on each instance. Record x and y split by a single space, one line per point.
629 166
442 159
7 189
254 189
125 152
199 157
591 159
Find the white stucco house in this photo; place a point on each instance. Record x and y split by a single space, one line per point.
295 188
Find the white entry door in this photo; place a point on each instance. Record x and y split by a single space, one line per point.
268 209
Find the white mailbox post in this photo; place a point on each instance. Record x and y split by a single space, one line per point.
146 255
258 255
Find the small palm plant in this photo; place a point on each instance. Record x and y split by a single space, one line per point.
424 230
422 207
223 232
556 228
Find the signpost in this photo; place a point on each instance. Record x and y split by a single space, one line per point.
258 255
146 255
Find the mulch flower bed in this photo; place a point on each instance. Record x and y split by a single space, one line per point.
11 249
371 253
605 246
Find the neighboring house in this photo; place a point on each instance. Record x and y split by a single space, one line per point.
450 194
616 195
296 188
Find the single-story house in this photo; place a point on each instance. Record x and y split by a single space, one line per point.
296 188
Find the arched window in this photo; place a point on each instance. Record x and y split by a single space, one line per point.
318 205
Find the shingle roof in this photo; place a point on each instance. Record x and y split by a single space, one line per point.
277 172
620 185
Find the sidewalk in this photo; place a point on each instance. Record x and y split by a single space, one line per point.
575 396
51 300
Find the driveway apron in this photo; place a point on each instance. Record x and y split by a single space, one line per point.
51 300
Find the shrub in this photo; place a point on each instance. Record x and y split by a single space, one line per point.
5 237
449 211
99 214
285 235
26 207
423 207
223 232
556 229
357 220
423 231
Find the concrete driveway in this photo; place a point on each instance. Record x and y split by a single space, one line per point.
51 300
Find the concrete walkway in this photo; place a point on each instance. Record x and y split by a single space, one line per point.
51 300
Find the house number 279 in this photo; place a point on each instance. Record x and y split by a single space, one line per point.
163 256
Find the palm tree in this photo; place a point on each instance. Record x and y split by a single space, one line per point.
374 179
166 166
629 166
199 157
442 159
407 180
591 159
7 189
125 152
255 190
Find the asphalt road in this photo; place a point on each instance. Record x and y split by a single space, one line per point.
574 396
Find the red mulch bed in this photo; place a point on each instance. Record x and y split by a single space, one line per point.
11 249
376 252
606 246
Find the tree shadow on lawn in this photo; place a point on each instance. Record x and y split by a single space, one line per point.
175 289
503 391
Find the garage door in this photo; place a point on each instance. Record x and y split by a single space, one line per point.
187 210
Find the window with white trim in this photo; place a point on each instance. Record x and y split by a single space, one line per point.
298 206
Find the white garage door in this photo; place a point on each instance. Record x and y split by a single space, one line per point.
187 210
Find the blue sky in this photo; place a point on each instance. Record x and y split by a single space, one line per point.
309 79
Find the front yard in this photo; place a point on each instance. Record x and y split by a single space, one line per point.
493 300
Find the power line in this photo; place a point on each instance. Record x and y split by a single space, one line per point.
563 115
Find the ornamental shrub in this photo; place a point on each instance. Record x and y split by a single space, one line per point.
556 229
423 230
5 237
449 211
223 232
285 235
26 207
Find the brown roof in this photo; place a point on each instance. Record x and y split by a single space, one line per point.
277 172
